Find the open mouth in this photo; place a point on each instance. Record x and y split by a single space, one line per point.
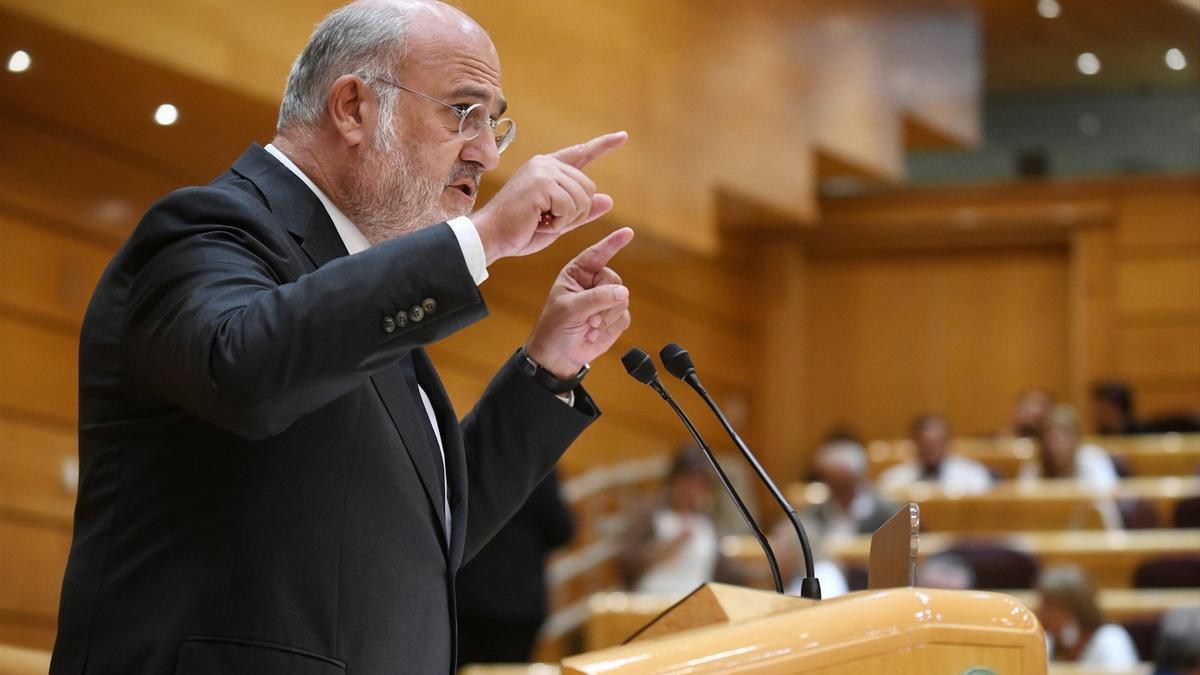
466 187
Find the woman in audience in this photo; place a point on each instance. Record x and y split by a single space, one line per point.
1075 626
1063 455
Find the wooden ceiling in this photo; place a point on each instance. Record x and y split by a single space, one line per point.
1025 52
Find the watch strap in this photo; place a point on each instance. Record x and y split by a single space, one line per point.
547 379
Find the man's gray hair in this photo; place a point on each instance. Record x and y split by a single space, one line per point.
847 454
362 39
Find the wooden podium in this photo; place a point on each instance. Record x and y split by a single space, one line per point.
890 628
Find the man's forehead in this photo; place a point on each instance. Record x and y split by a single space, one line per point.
467 67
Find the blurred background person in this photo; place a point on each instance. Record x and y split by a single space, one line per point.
1112 408
671 546
935 462
1029 413
1177 649
1062 454
501 593
853 506
1075 627
946 570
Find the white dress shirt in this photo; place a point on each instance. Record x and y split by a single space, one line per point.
472 249
958 474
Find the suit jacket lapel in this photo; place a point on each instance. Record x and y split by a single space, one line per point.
452 446
404 410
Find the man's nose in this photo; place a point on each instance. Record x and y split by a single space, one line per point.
482 150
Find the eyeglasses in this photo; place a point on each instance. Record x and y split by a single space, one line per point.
471 119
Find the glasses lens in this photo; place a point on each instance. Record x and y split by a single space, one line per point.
473 121
506 131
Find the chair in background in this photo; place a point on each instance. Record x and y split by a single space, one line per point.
1143 630
856 578
997 566
1180 571
1138 513
1187 513
1121 465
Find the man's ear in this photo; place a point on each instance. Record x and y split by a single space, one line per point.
353 109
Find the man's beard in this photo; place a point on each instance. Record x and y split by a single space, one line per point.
390 193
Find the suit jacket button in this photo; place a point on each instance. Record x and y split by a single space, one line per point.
416 313
389 324
429 305
401 319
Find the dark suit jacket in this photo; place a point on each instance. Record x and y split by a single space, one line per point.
507 579
257 493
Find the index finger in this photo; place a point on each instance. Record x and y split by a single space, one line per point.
595 257
581 154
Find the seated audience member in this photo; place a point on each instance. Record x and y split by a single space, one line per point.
672 547
1177 650
853 506
1074 624
501 592
1029 413
936 463
946 570
1112 408
1063 455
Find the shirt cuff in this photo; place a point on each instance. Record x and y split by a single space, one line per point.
472 247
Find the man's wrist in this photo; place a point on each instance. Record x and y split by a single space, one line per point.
487 239
553 380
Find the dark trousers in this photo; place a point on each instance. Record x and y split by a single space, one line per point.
496 639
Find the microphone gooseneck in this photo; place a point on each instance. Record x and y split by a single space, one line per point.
678 362
639 366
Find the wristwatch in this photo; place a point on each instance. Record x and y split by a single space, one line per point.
546 378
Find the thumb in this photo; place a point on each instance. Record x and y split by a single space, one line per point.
583 304
595 257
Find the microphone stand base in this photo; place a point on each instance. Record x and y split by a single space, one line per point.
810 587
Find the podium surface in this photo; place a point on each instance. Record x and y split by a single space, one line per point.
899 630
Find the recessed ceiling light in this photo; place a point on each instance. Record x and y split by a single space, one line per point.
1049 8
1088 63
166 114
19 62
1089 124
1175 59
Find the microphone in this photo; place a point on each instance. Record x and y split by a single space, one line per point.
678 362
639 366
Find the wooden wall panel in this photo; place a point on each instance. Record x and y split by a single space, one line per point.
1159 397
1158 284
1156 350
1157 276
1170 219
36 467
47 273
893 336
40 369
37 556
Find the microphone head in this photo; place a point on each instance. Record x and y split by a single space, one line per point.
677 361
638 364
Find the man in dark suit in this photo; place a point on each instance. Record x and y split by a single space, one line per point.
272 477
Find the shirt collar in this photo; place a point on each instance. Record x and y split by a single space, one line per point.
351 236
